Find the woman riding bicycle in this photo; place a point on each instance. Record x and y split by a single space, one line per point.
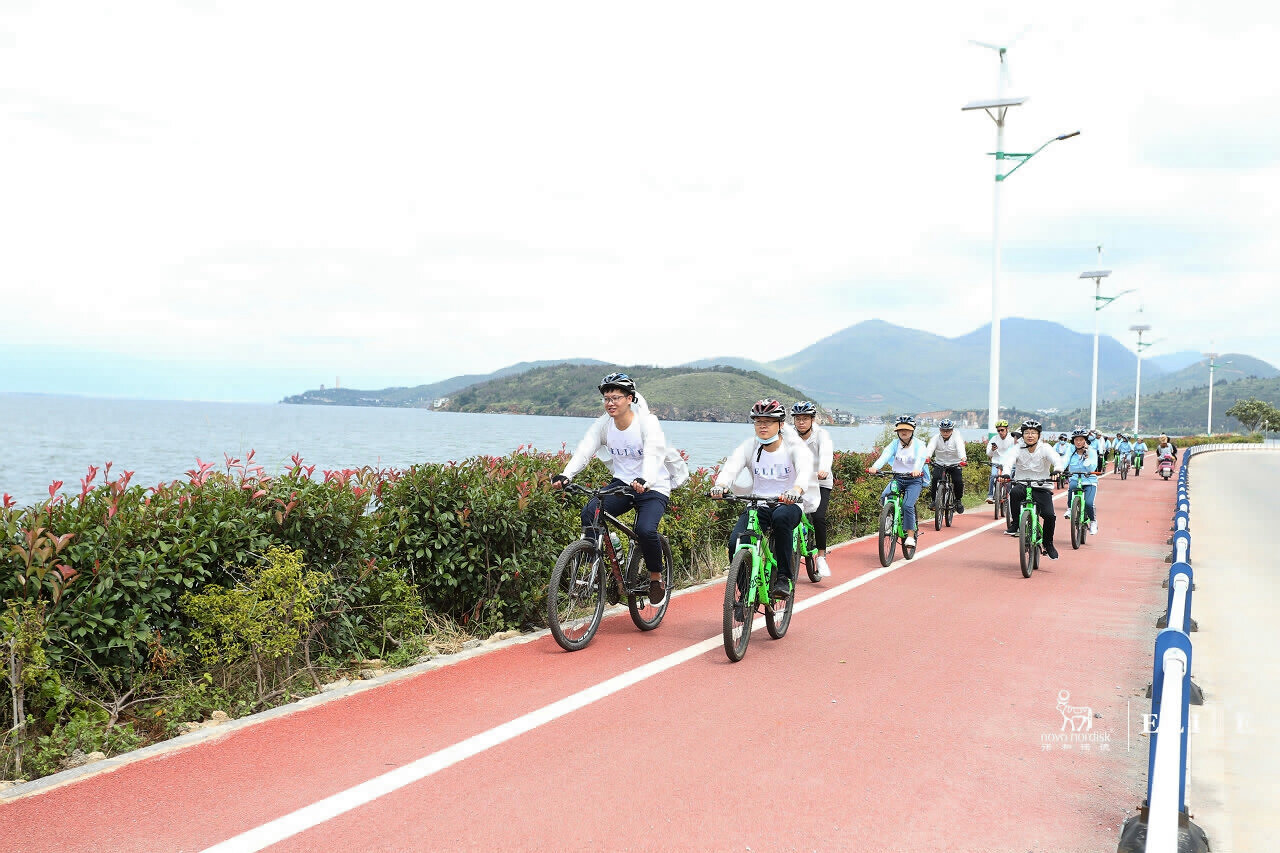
1035 460
1139 451
997 445
1123 449
781 465
636 448
819 441
1082 465
906 456
947 449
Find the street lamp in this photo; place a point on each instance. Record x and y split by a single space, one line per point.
1099 302
1137 388
996 109
1208 429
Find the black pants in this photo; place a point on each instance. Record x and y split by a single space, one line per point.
784 518
957 483
1043 499
818 518
649 508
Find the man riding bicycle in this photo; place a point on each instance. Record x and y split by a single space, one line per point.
1035 460
1139 451
780 465
1123 449
947 449
819 442
637 449
997 445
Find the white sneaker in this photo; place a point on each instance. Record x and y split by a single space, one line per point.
1093 528
824 571
909 542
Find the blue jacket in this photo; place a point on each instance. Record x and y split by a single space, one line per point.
1124 447
1083 466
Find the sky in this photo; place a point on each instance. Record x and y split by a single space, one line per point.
240 201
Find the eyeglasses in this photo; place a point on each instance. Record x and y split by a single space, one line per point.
614 398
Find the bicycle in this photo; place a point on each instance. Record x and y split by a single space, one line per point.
1030 530
1137 464
580 579
806 549
944 509
1001 509
1078 514
747 586
890 530
1122 464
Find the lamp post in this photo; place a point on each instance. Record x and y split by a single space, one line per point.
997 109
1137 388
1099 302
1208 428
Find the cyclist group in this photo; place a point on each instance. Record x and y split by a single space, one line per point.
791 464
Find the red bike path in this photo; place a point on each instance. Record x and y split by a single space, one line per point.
910 709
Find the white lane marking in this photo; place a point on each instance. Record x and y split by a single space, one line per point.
305 818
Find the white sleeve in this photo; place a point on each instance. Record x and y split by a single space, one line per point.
964 452
826 452
655 449
932 446
591 442
733 466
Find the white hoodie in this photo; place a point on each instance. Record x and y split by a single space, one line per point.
654 450
801 456
819 444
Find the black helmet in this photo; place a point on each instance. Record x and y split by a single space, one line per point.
1029 424
768 409
804 407
946 423
620 381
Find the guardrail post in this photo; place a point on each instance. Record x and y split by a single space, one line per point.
1163 824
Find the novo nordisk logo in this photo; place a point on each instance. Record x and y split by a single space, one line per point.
1076 732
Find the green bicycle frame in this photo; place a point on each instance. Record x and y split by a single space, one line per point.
1077 494
1037 524
800 538
895 497
762 560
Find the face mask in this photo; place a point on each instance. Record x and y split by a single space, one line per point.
764 442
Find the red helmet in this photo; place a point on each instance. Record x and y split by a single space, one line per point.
768 409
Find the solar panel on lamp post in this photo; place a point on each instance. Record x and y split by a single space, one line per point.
1099 302
997 108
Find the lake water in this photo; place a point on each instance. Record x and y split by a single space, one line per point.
47 438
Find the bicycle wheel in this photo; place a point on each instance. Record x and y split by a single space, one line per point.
1084 521
1124 471
643 611
810 557
940 497
1077 513
888 536
1006 503
999 501
778 619
738 609
950 505
575 597
1026 548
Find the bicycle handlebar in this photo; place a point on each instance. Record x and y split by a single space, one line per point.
744 499
603 491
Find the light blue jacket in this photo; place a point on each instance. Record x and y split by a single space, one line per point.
1124 447
1140 447
915 449
1083 466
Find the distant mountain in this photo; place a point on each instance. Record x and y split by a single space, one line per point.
419 396
1182 412
1173 361
1229 368
876 367
722 394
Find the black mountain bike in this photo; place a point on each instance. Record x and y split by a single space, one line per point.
944 503
580 580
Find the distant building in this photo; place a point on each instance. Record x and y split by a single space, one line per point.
439 402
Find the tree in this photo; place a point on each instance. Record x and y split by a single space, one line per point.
1254 414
